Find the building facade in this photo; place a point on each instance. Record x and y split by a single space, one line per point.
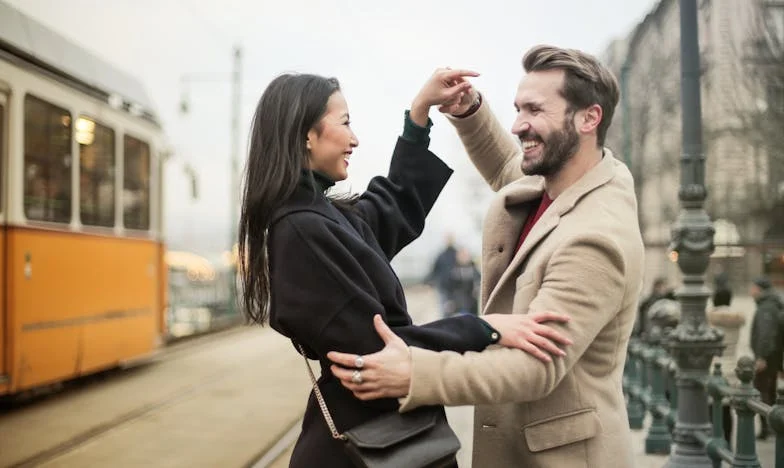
742 100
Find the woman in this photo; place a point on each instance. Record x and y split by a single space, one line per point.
317 267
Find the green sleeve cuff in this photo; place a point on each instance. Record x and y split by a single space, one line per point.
415 134
492 333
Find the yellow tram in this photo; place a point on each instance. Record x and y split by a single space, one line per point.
81 248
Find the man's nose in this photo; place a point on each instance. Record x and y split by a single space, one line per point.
520 127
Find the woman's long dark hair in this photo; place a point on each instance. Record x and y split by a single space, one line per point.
291 105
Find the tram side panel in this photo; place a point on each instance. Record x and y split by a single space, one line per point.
80 303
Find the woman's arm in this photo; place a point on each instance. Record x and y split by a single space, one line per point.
324 299
395 206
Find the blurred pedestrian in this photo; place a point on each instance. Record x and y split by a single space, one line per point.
439 276
464 284
659 291
767 342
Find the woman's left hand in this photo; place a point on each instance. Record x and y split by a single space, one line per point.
529 333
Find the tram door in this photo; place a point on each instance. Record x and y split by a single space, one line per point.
3 240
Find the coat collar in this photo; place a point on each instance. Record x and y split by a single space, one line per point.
531 188
309 195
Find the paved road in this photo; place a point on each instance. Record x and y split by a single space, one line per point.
218 401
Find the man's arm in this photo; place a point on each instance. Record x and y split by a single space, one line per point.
492 149
585 280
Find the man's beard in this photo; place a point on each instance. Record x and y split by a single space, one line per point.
559 147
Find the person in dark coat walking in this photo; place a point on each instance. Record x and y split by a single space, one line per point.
767 341
440 273
464 280
317 267
658 292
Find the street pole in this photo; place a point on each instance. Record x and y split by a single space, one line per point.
234 200
693 343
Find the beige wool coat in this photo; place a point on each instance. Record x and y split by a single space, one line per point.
584 258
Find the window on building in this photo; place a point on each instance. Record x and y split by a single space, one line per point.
47 161
136 184
96 172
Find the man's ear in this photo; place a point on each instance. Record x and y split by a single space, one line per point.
590 119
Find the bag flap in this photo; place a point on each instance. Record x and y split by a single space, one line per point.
391 429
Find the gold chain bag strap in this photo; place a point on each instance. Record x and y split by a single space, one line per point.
417 439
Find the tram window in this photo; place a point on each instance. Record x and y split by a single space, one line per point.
96 172
136 186
47 163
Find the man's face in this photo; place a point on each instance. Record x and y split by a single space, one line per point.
544 126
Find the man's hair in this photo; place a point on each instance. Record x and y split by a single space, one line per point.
586 80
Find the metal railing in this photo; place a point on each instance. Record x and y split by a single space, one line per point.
649 385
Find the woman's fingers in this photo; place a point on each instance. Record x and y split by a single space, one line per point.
553 334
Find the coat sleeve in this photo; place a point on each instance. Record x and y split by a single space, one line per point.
395 206
584 279
492 149
324 300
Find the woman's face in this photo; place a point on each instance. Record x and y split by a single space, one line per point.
331 141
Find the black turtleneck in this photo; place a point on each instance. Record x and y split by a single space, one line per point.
315 180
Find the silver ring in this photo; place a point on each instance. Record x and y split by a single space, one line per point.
359 362
356 377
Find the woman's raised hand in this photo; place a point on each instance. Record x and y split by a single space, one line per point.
446 88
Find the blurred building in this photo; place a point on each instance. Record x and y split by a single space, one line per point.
742 111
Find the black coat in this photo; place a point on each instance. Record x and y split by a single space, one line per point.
767 340
330 273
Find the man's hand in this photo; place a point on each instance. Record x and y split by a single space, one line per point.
461 105
445 88
529 333
385 374
760 365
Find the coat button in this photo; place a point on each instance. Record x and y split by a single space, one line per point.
500 249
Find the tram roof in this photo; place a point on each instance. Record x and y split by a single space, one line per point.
39 46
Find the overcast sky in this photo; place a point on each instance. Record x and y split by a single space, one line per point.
382 52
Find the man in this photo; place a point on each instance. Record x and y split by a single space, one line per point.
659 291
766 342
561 235
439 275
722 292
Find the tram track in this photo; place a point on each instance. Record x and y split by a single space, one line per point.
95 432
172 351
222 391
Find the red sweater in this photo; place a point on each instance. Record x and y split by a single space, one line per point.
533 217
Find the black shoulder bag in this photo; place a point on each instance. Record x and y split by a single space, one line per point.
418 439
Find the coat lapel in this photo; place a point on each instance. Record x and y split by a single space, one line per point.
526 190
504 223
